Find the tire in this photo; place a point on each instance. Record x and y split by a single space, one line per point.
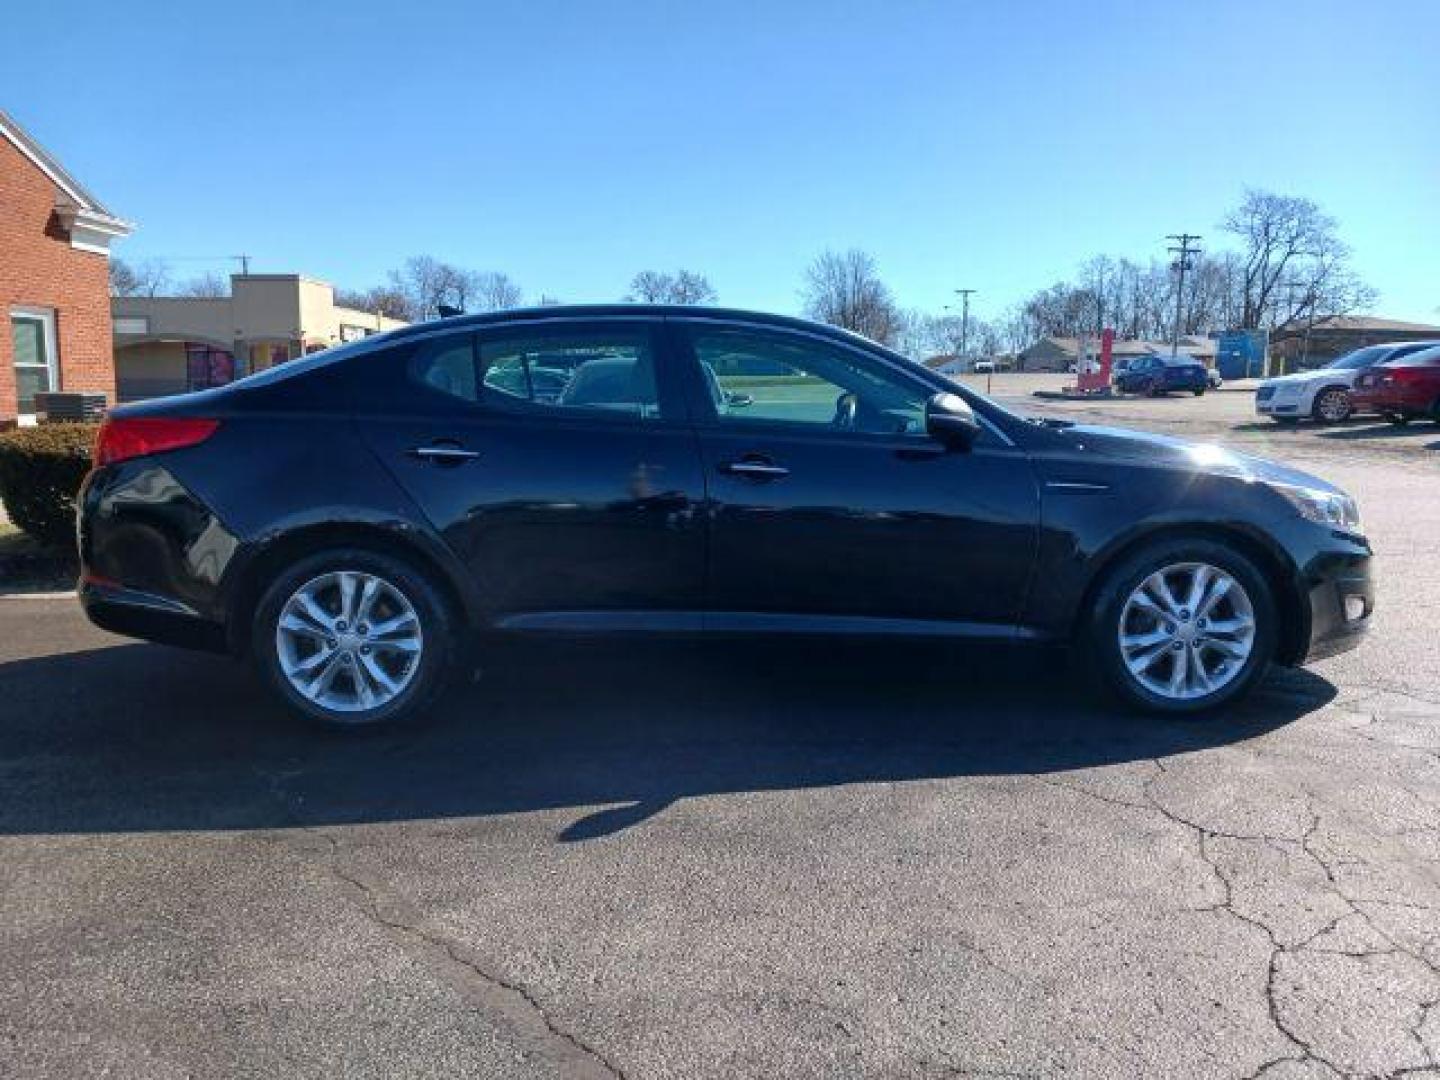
416 657
1332 406
1115 613
1199 391
1398 419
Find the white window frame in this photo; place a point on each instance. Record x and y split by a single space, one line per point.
46 317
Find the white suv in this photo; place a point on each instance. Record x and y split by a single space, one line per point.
1324 394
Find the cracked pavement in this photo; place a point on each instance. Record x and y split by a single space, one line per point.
748 860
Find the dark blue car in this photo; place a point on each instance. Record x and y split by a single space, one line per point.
1154 375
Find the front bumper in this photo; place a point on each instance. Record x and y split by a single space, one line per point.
1278 404
1341 601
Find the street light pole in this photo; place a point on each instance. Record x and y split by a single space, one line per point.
1183 253
965 295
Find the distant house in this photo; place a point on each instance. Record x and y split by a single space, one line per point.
54 278
172 344
1059 353
1298 346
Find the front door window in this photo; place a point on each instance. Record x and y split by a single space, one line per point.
32 332
755 377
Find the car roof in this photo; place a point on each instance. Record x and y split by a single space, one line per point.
621 311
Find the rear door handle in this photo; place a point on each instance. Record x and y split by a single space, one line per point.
756 470
443 454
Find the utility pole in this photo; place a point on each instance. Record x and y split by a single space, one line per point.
1182 252
964 295
244 261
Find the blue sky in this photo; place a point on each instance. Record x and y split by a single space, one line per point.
990 145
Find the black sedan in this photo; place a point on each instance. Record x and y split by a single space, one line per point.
359 520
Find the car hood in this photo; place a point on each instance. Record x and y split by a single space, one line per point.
1300 378
1165 451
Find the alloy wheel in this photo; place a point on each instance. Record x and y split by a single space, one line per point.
1333 406
349 641
1186 631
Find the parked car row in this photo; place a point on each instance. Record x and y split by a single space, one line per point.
1400 381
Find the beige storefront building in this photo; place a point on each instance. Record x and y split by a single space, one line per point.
168 345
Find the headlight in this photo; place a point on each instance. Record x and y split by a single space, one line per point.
1324 507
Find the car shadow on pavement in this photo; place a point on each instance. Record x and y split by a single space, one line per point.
139 737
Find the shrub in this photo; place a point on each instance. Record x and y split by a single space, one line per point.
40 473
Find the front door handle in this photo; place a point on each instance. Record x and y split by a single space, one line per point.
443 453
754 469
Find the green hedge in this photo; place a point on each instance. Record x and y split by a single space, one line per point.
40 473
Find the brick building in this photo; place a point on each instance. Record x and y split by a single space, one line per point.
54 278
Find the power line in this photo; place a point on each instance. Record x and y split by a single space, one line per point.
243 260
1182 262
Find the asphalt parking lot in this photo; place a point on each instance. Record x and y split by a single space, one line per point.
671 861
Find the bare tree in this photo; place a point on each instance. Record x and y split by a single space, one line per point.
209 286
380 300
845 290
914 336
491 291
681 287
149 277
1286 240
428 284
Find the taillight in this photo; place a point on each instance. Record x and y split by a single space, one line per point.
122 438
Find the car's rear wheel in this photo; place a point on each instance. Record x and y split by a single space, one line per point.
353 638
1183 626
1199 391
1332 406
1398 419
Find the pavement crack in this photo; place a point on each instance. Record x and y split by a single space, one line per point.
514 1002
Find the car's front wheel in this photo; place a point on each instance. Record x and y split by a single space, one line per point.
1332 406
353 638
1183 626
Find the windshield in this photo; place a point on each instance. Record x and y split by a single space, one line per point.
1359 358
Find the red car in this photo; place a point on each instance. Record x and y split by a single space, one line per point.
1402 389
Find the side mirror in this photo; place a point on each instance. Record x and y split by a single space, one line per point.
950 420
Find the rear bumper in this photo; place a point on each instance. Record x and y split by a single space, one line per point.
152 557
1341 601
149 617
